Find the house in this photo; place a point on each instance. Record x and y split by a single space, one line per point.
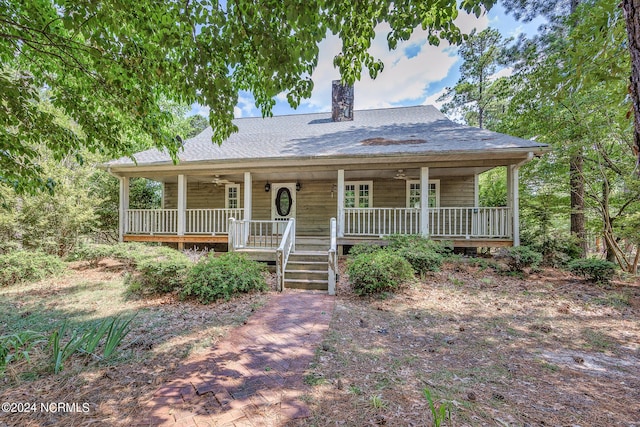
273 187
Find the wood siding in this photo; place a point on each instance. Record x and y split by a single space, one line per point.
200 195
315 203
457 192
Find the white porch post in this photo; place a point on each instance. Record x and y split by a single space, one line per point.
247 205
340 202
424 201
515 201
164 192
124 207
476 190
182 204
247 196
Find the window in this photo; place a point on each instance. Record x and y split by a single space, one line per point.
358 194
232 196
414 194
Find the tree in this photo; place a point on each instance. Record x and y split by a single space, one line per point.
105 66
560 101
562 18
632 17
477 94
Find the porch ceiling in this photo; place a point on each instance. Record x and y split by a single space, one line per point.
326 175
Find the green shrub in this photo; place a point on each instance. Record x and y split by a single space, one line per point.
421 259
27 266
130 254
363 248
214 277
164 273
415 241
378 272
423 254
596 270
520 257
91 253
557 250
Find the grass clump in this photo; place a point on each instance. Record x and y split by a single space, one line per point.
593 269
213 278
27 266
16 347
378 272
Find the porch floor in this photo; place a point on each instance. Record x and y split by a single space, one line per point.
173 238
223 238
457 242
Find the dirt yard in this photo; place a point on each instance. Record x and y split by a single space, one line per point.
547 349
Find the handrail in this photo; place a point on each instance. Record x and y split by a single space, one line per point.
287 245
333 258
255 234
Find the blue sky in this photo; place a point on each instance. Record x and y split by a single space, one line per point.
415 73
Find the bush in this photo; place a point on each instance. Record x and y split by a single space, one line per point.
214 277
378 272
422 260
131 254
91 253
557 250
423 254
417 242
27 266
162 274
520 257
596 270
363 248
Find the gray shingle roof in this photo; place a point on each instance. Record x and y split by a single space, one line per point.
391 131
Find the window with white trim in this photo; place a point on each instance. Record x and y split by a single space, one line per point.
232 196
414 194
358 194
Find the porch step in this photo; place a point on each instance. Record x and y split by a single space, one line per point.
312 244
311 285
303 265
307 270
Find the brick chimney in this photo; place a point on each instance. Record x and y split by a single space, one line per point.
341 102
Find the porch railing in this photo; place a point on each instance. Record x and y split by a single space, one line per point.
255 234
381 221
287 245
449 222
165 221
210 221
151 221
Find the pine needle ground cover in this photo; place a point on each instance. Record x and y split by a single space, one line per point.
486 348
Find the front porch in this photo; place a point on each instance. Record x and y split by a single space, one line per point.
464 226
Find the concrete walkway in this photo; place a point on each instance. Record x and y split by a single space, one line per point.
255 376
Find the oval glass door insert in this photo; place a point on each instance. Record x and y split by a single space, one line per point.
283 201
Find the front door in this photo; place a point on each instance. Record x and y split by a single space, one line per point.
283 203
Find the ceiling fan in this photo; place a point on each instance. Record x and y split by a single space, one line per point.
401 175
219 181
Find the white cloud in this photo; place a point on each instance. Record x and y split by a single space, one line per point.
403 79
245 106
505 72
433 99
202 110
